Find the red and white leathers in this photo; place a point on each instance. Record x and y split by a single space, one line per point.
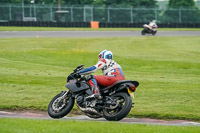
112 72
152 26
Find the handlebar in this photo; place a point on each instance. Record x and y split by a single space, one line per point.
80 67
75 75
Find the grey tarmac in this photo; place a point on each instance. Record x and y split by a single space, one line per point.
82 34
44 115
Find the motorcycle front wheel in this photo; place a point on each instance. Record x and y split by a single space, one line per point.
143 32
124 105
60 105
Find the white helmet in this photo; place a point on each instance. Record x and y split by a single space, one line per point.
154 21
105 54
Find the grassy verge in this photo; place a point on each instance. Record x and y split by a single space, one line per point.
54 126
33 70
6 28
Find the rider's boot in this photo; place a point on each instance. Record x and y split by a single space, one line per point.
96 94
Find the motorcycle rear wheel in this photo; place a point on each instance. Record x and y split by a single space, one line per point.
154 33
58 107
124 107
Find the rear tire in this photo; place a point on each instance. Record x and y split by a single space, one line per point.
62 106
122 110
154 33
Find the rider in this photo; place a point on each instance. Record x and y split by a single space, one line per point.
112 72
153 25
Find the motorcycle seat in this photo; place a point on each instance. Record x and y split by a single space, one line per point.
119 83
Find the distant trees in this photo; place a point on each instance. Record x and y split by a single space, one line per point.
181 11
181 3
144 3
29 1
135 3
139 10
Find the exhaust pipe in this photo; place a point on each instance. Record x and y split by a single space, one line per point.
89 110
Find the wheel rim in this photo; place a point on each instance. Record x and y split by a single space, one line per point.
120 102
59 104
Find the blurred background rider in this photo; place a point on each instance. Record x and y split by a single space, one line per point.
152 25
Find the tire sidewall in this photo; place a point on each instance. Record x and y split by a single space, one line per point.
123 112
143 32
154 33
64 112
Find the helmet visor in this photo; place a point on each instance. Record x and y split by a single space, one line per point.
100 56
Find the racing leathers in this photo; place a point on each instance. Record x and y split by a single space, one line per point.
153 26
112 72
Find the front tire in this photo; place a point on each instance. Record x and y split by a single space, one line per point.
143 32
122 110
59 107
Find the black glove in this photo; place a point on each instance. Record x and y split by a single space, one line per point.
73 76
76 75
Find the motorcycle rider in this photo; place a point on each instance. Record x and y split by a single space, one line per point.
112 72
152 25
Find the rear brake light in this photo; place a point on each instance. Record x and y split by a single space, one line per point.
132 88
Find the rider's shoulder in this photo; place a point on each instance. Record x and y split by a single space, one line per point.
102 60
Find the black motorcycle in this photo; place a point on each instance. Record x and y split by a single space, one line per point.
114 105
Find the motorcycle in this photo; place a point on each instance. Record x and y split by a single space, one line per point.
114 105
149 30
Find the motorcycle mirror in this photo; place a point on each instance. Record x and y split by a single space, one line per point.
78 68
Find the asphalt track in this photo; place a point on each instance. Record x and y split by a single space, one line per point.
30 115
82 34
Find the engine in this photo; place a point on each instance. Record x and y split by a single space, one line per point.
80 100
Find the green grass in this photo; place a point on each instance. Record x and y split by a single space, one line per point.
68 126
33 70
13 28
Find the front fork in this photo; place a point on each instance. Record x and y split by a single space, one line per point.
56 106
64 93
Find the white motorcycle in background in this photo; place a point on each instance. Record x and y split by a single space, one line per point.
150 28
